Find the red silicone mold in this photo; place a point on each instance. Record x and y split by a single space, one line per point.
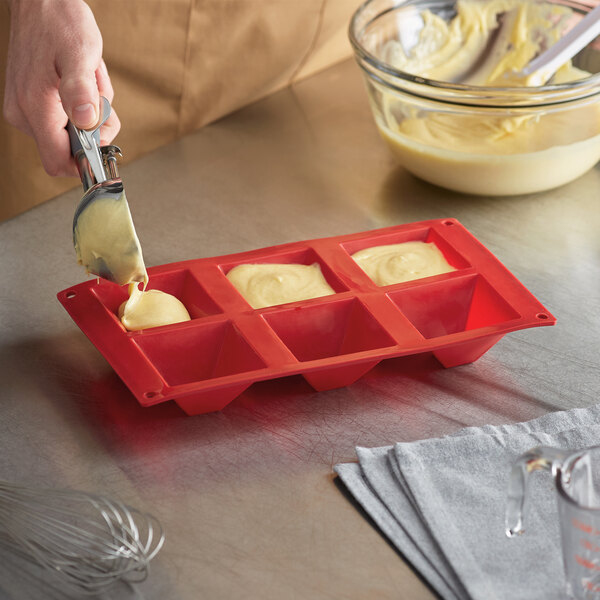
203 364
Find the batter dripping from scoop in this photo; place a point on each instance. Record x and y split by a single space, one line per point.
151 308
106 242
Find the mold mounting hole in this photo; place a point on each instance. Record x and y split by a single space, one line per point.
447 223
150 395
542 316
70 294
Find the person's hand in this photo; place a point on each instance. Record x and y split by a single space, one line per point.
55 71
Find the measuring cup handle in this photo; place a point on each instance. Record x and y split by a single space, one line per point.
541 457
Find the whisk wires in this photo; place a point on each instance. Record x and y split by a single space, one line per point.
85 540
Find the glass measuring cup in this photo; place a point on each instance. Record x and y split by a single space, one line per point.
577 480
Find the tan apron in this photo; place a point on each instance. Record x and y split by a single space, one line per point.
177 65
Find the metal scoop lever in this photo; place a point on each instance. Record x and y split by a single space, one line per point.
85 147
103 233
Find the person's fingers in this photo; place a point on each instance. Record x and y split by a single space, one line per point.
76 66
109 130
111 127
103 81
48 123
55 152
80 98
11 108
55 72
14 115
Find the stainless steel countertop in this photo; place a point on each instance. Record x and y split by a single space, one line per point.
247 496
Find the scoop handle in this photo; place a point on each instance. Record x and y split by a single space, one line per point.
85 148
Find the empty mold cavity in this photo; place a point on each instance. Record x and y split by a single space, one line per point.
454 305
111 296
305 256
329 329
181 284
199 353
427 235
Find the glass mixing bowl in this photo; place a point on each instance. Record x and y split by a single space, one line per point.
481 140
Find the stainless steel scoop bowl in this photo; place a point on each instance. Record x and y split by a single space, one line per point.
103 232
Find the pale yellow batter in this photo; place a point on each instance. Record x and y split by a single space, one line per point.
265 284
106 242
485 44
151 308
490 151
395 263
107 245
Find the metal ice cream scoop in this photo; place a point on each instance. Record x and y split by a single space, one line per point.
103 233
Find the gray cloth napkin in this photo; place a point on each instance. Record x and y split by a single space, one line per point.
441 502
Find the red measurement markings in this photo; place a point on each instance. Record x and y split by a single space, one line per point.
589 545
584 527
588 564
591 586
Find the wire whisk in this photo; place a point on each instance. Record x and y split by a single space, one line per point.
87 541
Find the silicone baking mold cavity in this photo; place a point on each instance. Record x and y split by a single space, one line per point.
204 363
